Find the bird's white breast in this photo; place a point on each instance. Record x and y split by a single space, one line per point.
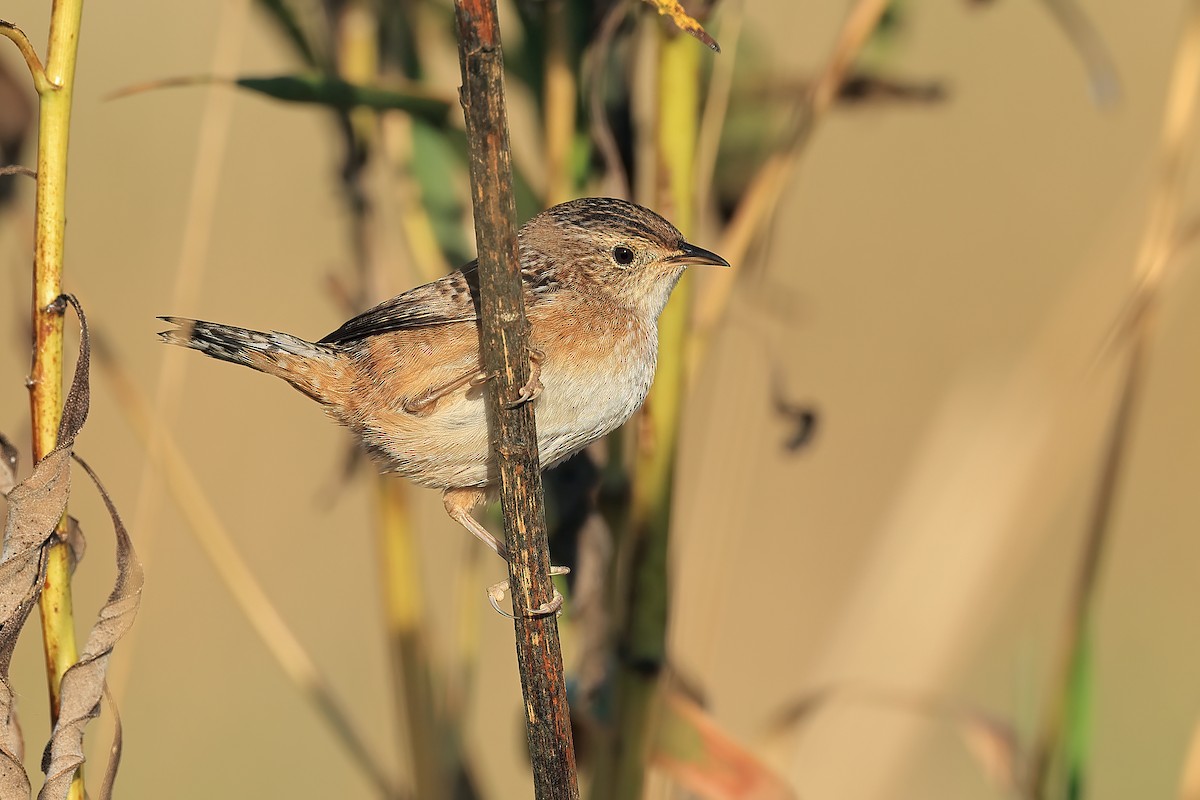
582 402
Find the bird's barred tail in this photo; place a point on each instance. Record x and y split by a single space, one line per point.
314 369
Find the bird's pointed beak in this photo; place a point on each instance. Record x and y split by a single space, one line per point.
691 255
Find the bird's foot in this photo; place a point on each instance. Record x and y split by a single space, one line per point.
554 605
533 387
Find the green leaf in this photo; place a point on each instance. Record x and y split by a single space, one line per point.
528 202
435 166
333 92
289 24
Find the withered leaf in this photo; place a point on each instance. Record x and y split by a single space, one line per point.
696 752
83 684
35 507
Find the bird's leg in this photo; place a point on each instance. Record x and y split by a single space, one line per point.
459 503
533 387
427 400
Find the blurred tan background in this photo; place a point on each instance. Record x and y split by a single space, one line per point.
938 285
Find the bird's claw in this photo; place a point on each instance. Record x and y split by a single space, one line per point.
496 592
533 387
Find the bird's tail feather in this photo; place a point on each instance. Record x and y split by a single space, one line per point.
315 369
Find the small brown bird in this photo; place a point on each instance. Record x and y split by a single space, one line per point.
406 375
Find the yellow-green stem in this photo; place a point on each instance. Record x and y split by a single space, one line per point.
644 639
559 104
46 374
411 668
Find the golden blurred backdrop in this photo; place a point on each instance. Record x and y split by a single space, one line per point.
938 283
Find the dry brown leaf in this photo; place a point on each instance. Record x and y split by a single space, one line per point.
83 684
35 507
691 748
8 465
673 9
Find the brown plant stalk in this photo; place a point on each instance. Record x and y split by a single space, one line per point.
504 333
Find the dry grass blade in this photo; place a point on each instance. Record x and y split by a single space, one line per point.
990 741
83 684
761 197
1159 239
1097 61
615 176
239 579
35 507
716 106
673 9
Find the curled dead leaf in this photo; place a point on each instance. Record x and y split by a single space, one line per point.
35 508
696 752
83 684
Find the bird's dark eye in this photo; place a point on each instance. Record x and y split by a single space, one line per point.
623 255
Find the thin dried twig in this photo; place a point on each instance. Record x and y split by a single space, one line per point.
1097 61
716 104
215 121
606 143
762 195
505 354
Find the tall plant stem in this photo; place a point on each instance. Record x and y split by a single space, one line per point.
558 116
643 637
46 374
504 347
432 748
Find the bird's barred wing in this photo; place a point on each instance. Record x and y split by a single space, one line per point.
447 300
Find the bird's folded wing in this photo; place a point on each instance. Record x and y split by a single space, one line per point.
450 299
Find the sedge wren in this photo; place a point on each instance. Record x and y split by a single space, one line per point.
406 375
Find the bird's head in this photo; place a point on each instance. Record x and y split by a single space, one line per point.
626 249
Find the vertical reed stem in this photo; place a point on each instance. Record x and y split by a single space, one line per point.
643 637
504 348
46 373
